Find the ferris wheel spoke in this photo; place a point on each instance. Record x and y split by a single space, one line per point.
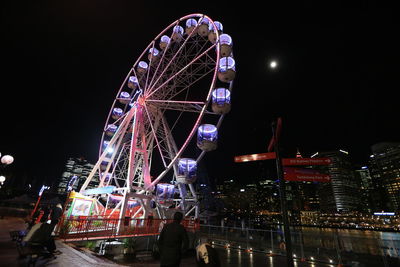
182 55
184 106
195 72
172 59
135 74
150 68
182 86
180 71
155 136
160 63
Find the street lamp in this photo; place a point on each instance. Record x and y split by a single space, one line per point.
44 187
2 180
7 159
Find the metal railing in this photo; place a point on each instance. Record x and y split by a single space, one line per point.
324 246
86 228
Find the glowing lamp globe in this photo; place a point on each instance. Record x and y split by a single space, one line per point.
2 179
7 159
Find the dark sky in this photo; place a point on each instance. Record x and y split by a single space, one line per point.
336 85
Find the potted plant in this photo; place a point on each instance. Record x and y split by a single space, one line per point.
129 248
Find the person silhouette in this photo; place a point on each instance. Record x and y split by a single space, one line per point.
172 242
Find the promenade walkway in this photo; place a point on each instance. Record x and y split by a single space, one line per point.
70 256
74 256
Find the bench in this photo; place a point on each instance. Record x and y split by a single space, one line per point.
32 251
18 235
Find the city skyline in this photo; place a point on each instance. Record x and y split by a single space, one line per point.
332 86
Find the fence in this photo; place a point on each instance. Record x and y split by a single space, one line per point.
81 228
329 247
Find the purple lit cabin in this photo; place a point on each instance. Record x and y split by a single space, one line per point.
111 129
226 45
221 101
103 165
116 198
109 149
226 71
142 67
207 136
177 33
164 41
106 176
117 113
212 36
133 82
124 98
154 54
165 192
187 171
203 30
190 26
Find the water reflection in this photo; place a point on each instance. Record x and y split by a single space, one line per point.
357 241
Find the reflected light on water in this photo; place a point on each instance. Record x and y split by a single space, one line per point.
271 261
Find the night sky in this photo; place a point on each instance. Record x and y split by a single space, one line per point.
335 87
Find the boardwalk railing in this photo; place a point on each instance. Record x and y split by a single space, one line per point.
90 228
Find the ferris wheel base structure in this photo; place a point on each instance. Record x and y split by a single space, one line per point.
164 118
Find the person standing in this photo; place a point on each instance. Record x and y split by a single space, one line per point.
172 242
55 216
206 255
46 213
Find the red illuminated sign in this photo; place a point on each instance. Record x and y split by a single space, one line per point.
297 175
306 161
254 157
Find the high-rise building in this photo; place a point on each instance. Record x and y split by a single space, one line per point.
363 175
75 173
385 172
342 193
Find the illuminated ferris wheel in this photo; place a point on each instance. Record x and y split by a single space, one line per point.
179 88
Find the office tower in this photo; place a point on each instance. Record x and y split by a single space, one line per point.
385 172
342 193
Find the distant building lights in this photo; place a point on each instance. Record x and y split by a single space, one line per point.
242 190
364 167
345 152
371 156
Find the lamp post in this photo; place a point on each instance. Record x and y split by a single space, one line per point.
2 180
276 125
5 160
44 187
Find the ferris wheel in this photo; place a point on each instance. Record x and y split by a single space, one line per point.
179 88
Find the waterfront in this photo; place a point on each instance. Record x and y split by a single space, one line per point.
327 245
